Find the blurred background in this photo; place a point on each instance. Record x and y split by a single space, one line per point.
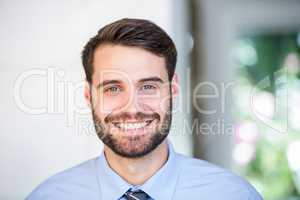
239 77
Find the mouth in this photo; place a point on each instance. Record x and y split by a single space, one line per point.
133 125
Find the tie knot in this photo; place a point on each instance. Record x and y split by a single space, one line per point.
136 195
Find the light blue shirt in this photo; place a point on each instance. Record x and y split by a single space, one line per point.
180 178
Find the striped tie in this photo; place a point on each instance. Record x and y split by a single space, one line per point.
136 195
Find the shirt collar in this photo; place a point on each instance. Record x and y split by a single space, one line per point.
113 186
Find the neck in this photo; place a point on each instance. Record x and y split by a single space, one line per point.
137 171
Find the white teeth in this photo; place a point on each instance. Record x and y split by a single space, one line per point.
132 125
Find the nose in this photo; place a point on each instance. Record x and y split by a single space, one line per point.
131 102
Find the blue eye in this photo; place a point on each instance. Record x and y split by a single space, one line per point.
113 89
148 87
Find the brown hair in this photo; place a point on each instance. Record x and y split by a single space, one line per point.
132 32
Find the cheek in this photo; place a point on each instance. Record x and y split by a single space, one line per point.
107 104
149 103
158 103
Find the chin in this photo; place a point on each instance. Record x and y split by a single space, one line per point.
134 146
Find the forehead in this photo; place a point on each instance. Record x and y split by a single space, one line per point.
123 62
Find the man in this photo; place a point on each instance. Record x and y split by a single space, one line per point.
129 68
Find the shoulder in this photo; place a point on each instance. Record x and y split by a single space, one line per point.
207 178
72 183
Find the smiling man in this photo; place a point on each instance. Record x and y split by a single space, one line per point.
129 68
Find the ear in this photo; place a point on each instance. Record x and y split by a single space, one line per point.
87 93
175 85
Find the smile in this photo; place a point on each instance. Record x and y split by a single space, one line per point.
133 125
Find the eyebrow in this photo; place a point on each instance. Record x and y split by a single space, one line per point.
107 82
153 79
117 81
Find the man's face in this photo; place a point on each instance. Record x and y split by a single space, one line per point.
130 98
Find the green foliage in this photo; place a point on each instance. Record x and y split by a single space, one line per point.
269 170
